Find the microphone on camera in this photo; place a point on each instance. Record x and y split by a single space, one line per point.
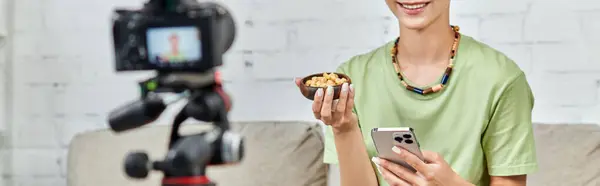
136 113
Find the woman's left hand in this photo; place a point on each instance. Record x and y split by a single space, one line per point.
435 171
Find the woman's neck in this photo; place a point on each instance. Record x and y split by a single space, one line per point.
426 46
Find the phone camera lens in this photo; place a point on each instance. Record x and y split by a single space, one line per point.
408 141
406 136
398 139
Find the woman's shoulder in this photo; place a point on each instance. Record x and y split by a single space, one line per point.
480 58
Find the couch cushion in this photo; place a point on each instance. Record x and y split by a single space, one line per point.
277 153
568 155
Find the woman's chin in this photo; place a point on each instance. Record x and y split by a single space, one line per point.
414 23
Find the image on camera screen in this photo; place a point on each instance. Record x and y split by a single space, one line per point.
174 44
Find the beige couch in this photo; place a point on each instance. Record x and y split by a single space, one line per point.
277 154
569 155
290 154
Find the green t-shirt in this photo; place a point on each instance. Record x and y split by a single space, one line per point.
480 122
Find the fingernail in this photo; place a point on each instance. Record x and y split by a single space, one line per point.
330 90
396 150
320 92
375 160
345 87
352 87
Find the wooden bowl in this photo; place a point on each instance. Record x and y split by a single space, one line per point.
309 92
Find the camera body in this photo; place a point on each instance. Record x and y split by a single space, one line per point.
182 37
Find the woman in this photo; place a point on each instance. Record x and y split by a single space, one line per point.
174 55
470 107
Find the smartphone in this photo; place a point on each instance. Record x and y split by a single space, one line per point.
386 138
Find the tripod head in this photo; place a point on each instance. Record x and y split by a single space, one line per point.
187 157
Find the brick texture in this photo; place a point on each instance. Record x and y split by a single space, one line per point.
61 80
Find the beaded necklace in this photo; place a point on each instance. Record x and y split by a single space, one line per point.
447 73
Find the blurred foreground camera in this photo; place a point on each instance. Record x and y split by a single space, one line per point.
171 36
183 41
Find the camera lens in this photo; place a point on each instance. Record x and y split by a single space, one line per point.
408 141
398 139
406 136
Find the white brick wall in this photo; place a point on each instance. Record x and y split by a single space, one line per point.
62 80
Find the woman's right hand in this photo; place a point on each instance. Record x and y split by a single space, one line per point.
335 113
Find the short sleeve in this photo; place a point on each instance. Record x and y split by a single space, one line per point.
508 141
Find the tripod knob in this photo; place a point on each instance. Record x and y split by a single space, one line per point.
137 165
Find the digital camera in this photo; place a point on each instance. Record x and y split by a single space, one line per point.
186 36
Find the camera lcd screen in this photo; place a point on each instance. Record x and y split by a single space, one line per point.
169 46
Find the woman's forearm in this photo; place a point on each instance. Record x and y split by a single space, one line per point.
354 163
